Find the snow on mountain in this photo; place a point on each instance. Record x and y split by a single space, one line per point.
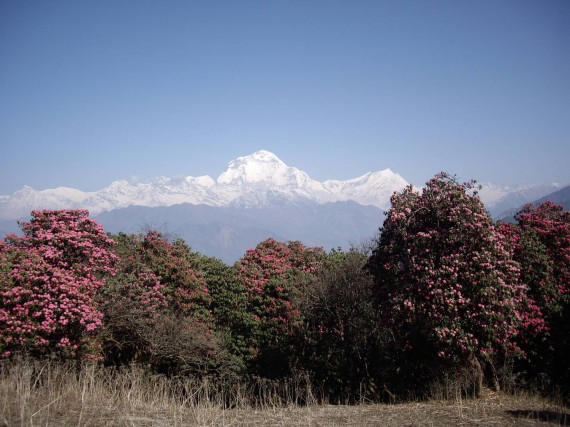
499 199
373 188
255 180
262 167
157 192
258 180
263 176
26 199
120 194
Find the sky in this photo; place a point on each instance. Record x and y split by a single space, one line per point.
96 91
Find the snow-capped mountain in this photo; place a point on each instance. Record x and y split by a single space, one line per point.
255 180
373 188
251 180
499 199
258 180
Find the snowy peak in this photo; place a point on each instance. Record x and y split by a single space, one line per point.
260 179
374 178
260 156
260 167
372 188
499 199
204 181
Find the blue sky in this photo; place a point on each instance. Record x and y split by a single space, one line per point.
95 91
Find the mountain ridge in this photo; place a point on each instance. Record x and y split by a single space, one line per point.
560 197
247 182
250 181
227 232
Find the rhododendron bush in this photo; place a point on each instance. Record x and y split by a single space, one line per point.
66 288
444 293
445 280
156 307
548 225
276 275
49 278
541 244
184 287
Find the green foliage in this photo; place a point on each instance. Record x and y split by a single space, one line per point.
228 306
157 308
341 341
276 276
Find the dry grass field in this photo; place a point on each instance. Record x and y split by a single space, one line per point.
491 411
34 394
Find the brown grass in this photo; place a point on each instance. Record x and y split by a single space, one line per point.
52 394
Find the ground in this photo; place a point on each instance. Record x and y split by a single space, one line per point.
493 410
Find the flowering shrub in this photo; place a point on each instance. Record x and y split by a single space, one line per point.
184 287
541 243
156 307
550 224
49 278
275 275
445 280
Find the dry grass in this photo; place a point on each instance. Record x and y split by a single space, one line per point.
51 394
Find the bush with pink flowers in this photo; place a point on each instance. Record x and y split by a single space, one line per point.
157 308
276 277
541 242
49 279
446 294
446 283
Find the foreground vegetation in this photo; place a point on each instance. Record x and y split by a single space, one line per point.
56 394
444 299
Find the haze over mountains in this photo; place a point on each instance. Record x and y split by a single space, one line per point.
560 197
258 196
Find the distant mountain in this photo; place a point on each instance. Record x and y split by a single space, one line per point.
228 231
560 197
499 199
258 196
251 181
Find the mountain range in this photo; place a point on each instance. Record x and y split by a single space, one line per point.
250 181
560 197
227 232
258 196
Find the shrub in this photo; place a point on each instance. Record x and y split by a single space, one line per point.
446 284
228 306
276 275
541 244
156 308
340 344
49 279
